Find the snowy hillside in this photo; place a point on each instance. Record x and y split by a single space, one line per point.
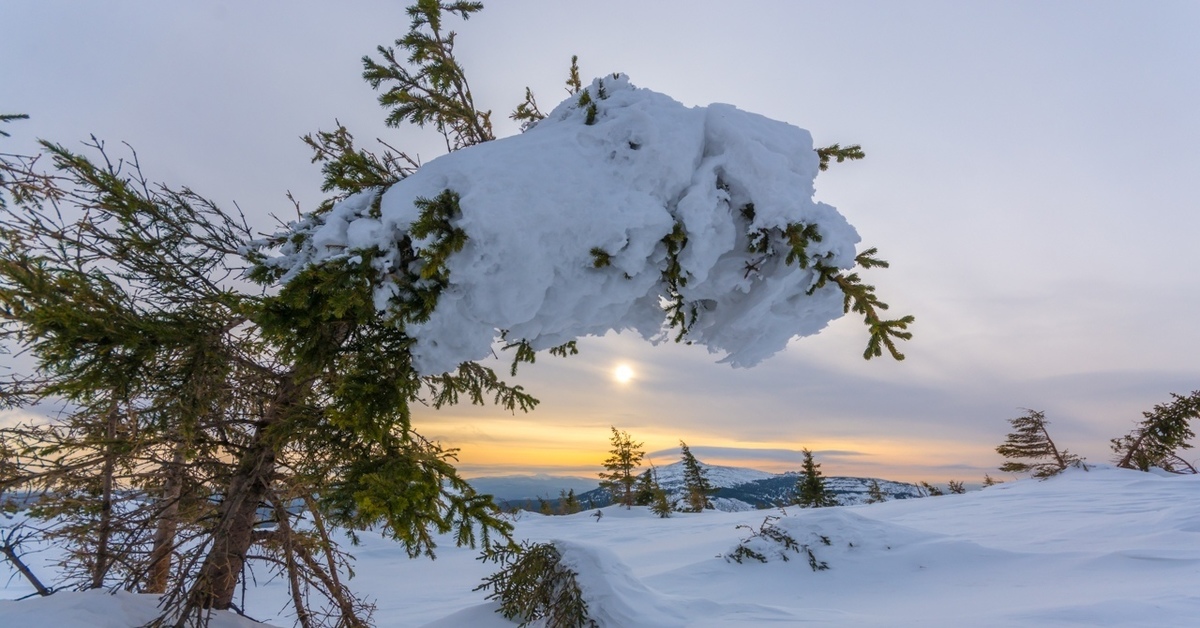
1107 548
671 476
781 489
741 489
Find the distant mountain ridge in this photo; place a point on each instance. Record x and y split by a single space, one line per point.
511 488
738 489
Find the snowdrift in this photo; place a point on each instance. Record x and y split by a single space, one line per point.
1109 547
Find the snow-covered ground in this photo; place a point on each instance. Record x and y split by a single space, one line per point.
670 476
1108 547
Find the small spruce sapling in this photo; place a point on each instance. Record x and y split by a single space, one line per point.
625 456
569 502
1030 449
771 537
696 487
875 493
956 487
643 493
660 504
810 487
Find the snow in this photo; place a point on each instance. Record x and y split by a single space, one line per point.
670 476
1109 547
96 609
535 206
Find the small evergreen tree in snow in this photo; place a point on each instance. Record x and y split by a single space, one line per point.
956 487
696 487
660 503
875 493
1155 442
991 481
570 503
929 489
625 456
771 541
1030 449
533 584
810 488
643 493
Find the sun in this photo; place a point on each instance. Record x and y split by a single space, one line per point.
623 374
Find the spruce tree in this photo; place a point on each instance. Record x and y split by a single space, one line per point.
956 487
569 502
930 490
661 502
1030 449
651 493
14 173
120 291
875 493
619 477
696 487
192 386
643 491
810 487
1156 441
216 403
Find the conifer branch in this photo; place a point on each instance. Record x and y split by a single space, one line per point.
835 151
796 239
574 83
527 113
9 117
430 87
860 298
534 584
524 353
10 547
348 169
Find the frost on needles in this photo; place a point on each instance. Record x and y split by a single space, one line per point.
621 209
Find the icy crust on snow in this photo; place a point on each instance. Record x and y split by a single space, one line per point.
535 206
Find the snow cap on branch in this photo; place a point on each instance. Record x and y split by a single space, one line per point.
622 209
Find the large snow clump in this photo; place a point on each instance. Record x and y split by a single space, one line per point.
618 179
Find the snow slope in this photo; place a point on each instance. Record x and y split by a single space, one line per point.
740 488
670 476
1109 547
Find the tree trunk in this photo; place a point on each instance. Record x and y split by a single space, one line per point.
104 527
217 581
159 572
9 547
1126 461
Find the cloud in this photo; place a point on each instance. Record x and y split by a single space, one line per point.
16 417
523 469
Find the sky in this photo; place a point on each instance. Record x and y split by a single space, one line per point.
1030 174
